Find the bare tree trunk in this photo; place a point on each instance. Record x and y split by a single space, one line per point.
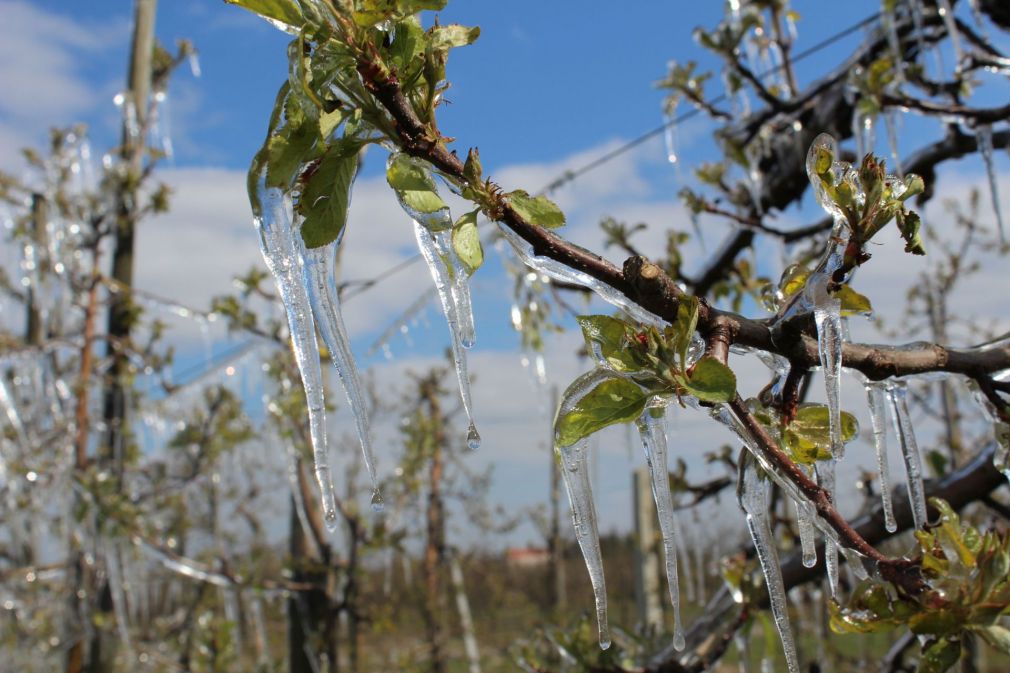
434 551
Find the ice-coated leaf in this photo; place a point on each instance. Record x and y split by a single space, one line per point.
453 35
466 242
615 400
711 381
997 636
414 185
326 195
290 140
285 12
852 302
684 326
808 437
370 12
538 210
609 338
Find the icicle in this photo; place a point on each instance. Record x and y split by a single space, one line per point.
185 567
272 212
575 470
825 471
670 134
652 427
194 63
903 430
876 401
558 271
983 135
428 244
947 12
891 126
864 132
753 493
805 523
465 619
827 316
320 272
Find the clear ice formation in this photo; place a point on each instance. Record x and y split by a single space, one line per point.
320 276
432 244
652 427
670 135
875 397
575 471
955 35
272 212
753 495
825 470
828 318
891 127
983 134
897 397
558 271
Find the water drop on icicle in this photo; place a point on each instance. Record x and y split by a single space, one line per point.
955 36
896 395
891 126
670 135
825 471
320 276
876 401
575 470
753 495
652 427
983 135
273 220
431 244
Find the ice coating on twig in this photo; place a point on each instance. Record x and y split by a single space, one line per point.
320 276
575 471
432 244
272 214
565 274
652 427
897 397
825 470
752 491
983 135
875 398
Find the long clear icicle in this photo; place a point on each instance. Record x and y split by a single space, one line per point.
431 248
983 134
575 471
320 272
876 401
897 397
272 216
825 471
652 427
828 318
754 501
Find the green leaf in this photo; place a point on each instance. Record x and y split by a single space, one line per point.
473 172
370 12
939 656
292 145
326 195
909 224
538 210
710 381
852 301
615 400
466 242
453 35
284 11
413 184
684 327
610 335
808 437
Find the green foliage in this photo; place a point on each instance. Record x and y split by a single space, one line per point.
614 400
412 181
538 210
967 592
466 241
326 194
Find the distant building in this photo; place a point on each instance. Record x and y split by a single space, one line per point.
527 557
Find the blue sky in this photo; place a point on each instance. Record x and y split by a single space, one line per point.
549 86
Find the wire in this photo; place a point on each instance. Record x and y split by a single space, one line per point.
570 176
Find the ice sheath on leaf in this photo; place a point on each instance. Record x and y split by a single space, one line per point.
272 211
752 491
575 471
652 427
320 276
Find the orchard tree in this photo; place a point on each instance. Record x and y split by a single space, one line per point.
374 72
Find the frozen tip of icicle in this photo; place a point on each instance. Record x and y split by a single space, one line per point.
604 642
330 519
809 560
472 438
378 504
679 643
